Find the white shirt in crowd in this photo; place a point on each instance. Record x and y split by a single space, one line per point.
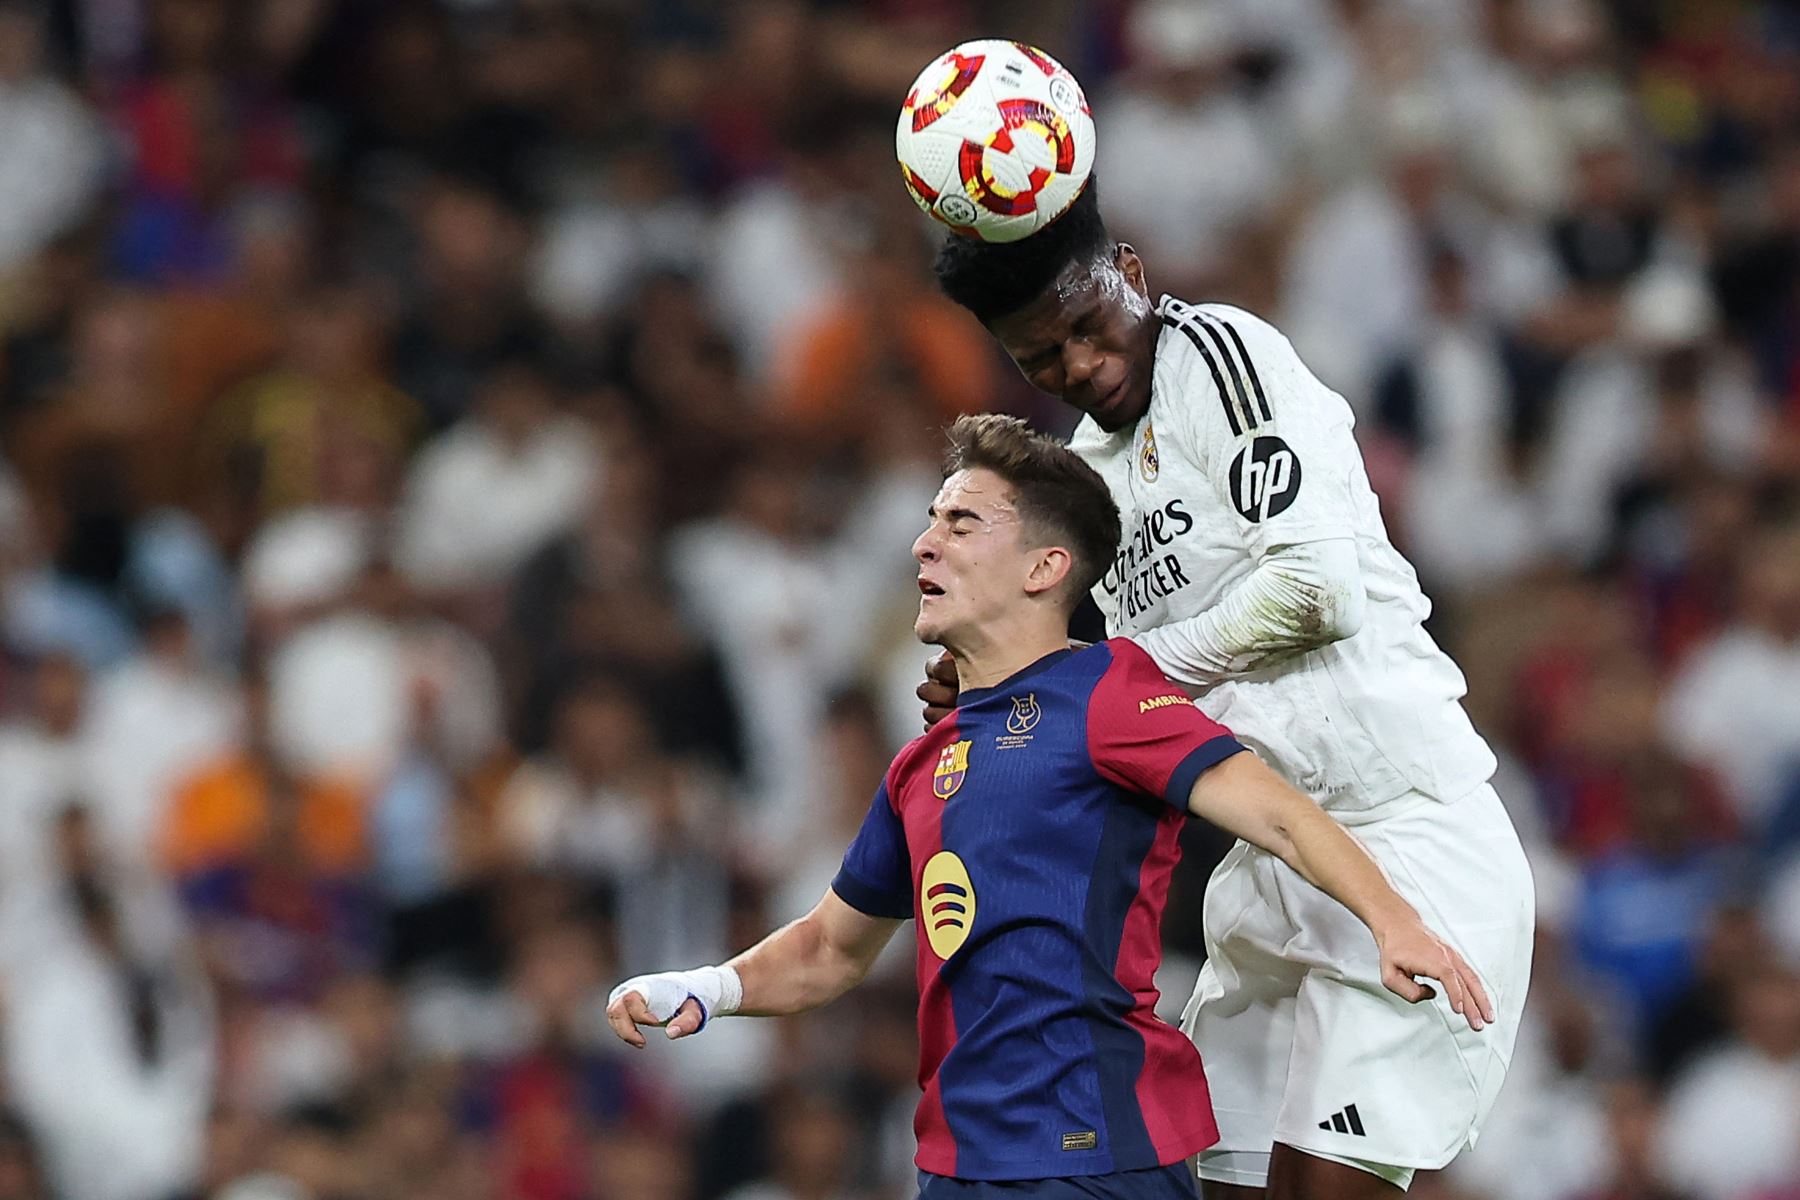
1731 1126
149 723
52 163
306 556
768 268
345 694
1606 416
555 823
1552 1119
794 619
1732 707
475 507
113 1125
40 773
1461 481
1180 178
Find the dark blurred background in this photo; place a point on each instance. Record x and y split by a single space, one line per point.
459 463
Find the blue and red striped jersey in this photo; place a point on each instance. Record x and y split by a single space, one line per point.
1031 834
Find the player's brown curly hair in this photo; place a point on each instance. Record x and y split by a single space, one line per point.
1061 499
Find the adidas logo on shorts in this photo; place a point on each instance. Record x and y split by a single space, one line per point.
1345 1120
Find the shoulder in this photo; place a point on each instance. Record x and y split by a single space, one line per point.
1127 670
1233 357
1089 441
1244 370
1228 321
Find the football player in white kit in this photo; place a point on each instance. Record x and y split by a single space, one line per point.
1255 569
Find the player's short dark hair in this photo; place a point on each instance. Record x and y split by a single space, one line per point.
1060 499
994 279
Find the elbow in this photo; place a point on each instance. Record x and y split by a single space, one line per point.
1337 593
1278 840
1341 613
1325 592
1330 612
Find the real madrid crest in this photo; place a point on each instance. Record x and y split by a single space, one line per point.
952 765
1149 465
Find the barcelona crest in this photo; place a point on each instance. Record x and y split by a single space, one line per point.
952 765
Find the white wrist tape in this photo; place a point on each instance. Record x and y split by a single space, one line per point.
717 990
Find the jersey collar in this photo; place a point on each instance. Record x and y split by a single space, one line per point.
975 696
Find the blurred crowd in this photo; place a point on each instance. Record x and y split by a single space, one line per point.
459 463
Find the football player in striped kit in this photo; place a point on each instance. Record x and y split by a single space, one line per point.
1031 836
1254 568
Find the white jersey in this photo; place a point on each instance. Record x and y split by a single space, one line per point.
1242 449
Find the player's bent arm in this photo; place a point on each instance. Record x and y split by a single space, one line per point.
1242 796
812 961
800 966
1297 598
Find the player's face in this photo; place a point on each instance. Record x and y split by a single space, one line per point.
1090 339
972 561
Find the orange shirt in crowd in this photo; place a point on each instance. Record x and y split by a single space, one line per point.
831 360
223 815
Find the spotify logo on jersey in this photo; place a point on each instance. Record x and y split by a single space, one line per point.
1265 478
946 903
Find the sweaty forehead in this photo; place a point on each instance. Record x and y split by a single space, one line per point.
978 490
1050 317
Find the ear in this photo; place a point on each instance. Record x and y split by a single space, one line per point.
1132 267
1048 570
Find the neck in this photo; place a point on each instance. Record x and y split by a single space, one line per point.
989 656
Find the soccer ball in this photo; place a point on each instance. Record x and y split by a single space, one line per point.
995 140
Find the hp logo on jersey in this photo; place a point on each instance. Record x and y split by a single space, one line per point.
1265 478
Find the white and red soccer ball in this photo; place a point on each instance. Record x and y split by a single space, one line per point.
995 140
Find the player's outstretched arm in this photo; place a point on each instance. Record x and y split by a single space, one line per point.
800 966
1243 796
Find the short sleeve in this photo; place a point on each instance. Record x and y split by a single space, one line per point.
1145 734
876 877
1277 445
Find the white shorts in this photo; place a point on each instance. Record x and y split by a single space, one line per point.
1302 1043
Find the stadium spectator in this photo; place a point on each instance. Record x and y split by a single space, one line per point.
42 765
1454 399
892 322
1189 157
1646 904
277 430
468 311
1726 706
52 153
811 1146
150 723
1730 1127
108 1042
348 690
222 810
1636 1174
488 492
543 1102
